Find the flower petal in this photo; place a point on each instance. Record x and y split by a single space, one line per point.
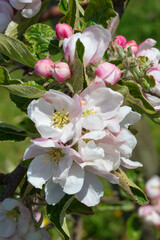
130 164
40 170
91 191
31 9
54 192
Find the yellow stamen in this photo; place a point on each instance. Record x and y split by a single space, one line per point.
59 119
88 112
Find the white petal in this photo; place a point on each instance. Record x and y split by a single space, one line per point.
9 204
53 192
17 5
91 191
75 179
130 164
45 143
23 221
7 227
95 135
93 122
40 170
33 151
61 170
112 125
130 119
31 9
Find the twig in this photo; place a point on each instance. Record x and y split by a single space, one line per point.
12 180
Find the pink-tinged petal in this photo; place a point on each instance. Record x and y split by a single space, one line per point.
40 170
95 135
53 193
130 164
153 187
112 125
17 4
59 100
93 122
7 227
33 151
153 55
63 31
45 143
148 43
153 100
126 142
120 40
106 101
75 179
31 9
61 170
91 191
40 112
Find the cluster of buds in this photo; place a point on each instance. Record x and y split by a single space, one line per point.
151 212
121 41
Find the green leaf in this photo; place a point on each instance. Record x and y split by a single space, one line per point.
55 51
63 6
16 50
9 132
57 214
21 102
134 230
4 75
133 93
79 208
130 188
23 90
99 12
12 30
39 36
77 79
70 17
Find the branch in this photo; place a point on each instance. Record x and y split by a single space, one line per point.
12 180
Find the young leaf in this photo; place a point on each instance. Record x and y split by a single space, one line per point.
132 93
16 50
12 30
4 75
77 79
77 207
24 91
99 12
63 6
39 36
9 132
130 188
57 214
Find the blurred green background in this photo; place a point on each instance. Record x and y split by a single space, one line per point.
141 20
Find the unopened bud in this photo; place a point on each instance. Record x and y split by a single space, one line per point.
120 40
61 71
43 68
133 45
63 31
108 72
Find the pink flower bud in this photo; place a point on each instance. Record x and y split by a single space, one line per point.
43 68
149 215
63 30
153 187
61 71
108 72
120 40
133 45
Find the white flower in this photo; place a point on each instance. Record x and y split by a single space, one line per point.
95 40
55 115
59 169
29 7
149 215
15 222
153 187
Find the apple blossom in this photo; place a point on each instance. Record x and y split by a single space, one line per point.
58 168
133 45
56 115
149 215
15 222
153 187
63 31
146 49
29 7
61 71
120 40
108 72
6 14
43 68
95 40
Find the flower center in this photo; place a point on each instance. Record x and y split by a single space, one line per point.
55 154
14 213
59 119
88 112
